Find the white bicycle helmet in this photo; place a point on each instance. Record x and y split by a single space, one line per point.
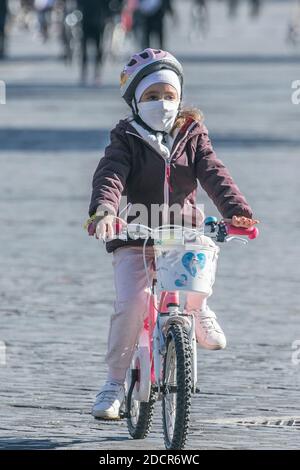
142 64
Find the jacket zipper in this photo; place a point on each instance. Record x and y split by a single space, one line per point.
167 189
167 180
167 183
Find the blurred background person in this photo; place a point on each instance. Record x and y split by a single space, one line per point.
232 8
69 27
3 18
131 19
128 12
293 33
44 9
199 19
255 6
152 15
25 16
115 30
94 16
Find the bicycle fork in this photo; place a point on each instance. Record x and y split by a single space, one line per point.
159 343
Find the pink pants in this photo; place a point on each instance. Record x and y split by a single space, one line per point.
132 295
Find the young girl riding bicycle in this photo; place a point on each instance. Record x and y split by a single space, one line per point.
156 156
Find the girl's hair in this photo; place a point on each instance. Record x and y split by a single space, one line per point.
186 113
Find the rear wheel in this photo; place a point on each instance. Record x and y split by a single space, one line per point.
177 387
139 413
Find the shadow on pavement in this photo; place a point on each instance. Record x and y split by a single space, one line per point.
53 139
50 90
185 58
12 443
245 59
96 139
30 58
116 439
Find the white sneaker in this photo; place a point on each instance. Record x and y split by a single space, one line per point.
108 401
209 334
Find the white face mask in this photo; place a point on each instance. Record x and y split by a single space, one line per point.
159 115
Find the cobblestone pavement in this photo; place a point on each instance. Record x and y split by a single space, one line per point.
56 288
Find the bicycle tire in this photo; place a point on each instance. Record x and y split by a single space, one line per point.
177 338
142 427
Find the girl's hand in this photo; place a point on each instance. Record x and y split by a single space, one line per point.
105 228
244 222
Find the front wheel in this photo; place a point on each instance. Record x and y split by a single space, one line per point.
177 387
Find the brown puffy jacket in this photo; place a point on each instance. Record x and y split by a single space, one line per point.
132 167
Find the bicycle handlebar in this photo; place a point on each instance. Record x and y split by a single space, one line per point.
251 232
222 229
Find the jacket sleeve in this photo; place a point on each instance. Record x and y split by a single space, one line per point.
110 176
216 180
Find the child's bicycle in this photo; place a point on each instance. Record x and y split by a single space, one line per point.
164 365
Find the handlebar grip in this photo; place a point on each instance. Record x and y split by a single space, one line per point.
251 233
118 227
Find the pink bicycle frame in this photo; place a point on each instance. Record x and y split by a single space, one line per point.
173 297
149 323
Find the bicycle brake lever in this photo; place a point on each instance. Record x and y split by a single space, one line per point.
238 239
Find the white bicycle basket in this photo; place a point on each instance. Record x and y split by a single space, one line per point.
189 267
